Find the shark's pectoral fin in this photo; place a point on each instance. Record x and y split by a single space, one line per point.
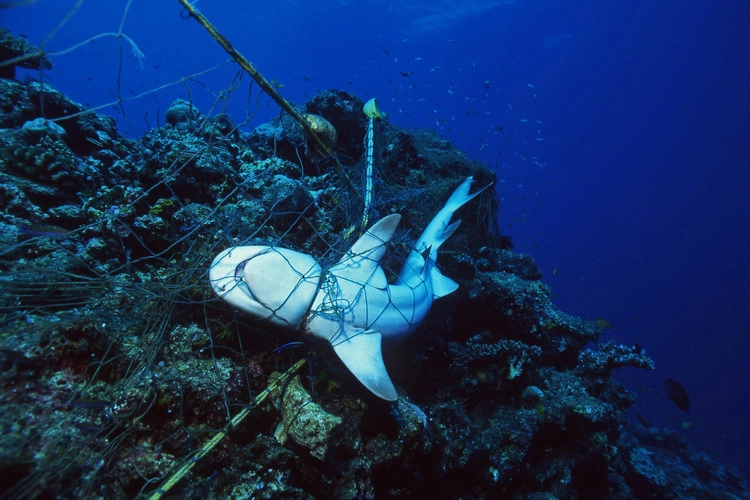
362 353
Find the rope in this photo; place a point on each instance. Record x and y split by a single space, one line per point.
211 444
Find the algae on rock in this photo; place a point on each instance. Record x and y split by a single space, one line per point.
302 419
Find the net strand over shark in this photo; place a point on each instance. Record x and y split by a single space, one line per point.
351 305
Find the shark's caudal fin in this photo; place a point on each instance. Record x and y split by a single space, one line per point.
441 228
435 234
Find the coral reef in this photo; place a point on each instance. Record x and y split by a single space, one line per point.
18 51
119 364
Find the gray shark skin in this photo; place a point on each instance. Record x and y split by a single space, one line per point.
351 305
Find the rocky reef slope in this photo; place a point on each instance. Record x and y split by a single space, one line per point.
118 363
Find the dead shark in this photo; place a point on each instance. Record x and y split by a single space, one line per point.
351 305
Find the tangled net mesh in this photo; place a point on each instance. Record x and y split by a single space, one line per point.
119 361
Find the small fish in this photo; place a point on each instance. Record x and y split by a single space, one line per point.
677 394
604 324
288 345
91 403
642 420
88 428
45 230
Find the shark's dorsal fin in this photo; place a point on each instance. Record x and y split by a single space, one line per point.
361 352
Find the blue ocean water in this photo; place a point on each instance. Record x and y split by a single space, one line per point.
618 130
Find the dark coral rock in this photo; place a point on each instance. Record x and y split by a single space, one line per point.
84 132
661 464
55 104
344 111
25 200
97 135
46 159
421 170
16 107
16 51
182 115
611 356
503 260
287 200
284 138
120 364
418 158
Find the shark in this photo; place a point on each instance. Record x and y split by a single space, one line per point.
350 305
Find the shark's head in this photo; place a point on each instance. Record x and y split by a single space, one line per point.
273 284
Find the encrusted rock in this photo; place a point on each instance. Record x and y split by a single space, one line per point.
532 395
182 115
42 126
305 421
19 49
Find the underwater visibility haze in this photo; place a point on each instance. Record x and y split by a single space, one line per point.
337 249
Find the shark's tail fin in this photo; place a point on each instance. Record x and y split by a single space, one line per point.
461 195
441 228
436 233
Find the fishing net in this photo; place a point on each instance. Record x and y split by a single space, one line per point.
119 363
126 374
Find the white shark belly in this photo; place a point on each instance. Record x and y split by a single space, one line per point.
407 308
343 309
